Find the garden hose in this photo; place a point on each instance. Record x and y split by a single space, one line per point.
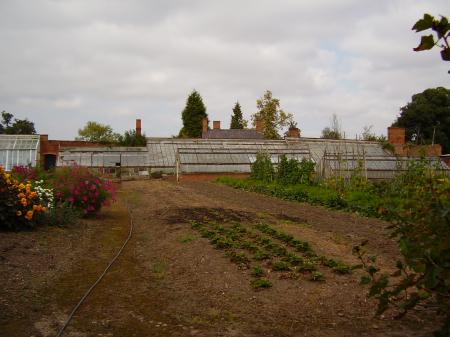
66 323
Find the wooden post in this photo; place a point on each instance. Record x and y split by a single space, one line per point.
177 166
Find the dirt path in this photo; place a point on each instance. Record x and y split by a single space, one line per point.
172 282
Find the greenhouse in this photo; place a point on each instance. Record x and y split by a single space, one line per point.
332 157
18 150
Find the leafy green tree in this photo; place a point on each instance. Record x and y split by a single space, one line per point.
98 133
192 116
441 28
237 121
334 131
130 138
16 127
272 117
426 115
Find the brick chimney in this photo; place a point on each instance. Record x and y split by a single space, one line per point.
205 124
138 128
396 136
216 125
258 125
293 133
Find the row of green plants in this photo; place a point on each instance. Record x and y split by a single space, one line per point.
30 196
261 248
417 204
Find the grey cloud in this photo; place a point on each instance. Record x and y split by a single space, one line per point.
66 62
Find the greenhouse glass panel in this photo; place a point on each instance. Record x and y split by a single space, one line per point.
18 150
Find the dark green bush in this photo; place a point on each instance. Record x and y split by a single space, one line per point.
262 169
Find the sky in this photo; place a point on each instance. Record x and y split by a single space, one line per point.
64 63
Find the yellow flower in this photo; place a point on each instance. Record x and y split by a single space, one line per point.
21 186
19 213
23 201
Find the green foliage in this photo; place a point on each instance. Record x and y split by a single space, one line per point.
288 171
257 271
261 283
334 131
237 121
291 171
130 138
63 215
192 116
280 266
428 113
262 169
82 189
272 117
441 28
317 276
368 134
18 127
98 133
421 226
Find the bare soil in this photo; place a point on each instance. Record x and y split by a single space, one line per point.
172 282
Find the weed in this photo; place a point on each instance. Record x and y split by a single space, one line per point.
261 283
257 271
222 243
238 258
251 247
159 269
188 238
317 276
307 266
281 266
261 255
205 233
292 259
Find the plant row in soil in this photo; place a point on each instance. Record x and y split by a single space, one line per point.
263 249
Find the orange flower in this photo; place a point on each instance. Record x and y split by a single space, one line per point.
37 208
23 201
20 195
29 215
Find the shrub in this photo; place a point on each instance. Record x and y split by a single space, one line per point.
262 168
291 171
20 205
63 215
80 188
422 222
23 173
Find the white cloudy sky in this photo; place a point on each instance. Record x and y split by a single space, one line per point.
65 62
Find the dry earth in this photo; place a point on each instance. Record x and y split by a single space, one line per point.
171 282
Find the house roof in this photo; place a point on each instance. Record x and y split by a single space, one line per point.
232 134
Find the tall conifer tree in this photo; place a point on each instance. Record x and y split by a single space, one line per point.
192 116
237 121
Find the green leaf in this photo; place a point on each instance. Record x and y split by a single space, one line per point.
365 279
426 43
423 24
